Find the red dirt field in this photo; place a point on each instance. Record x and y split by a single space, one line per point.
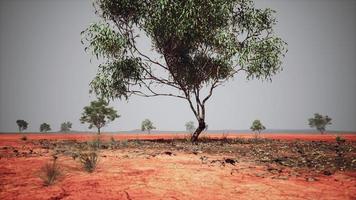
89 136
130 173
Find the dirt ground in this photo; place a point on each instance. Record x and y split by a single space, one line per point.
176 170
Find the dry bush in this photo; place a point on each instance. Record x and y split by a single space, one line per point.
89 160
95 144
50 172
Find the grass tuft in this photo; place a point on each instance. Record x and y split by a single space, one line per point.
89 161
50 172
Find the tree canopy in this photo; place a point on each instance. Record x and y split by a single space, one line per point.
189 126
319 122
257 126
66 126
98 114
44 127
22 124
147 125
202 44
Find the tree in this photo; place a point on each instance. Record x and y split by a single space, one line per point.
66 126
147 125
257 126
189 126
201 44
319 122
45 127
22 124
98 114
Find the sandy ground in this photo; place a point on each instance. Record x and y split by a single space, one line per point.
136 174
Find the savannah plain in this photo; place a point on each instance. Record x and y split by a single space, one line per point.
168 166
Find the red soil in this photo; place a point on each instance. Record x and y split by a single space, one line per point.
133 174
89 136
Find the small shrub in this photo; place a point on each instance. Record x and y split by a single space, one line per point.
95 144
225 137
112 139
124 143
113 143
24 138
340 139
204 138
89 161
50 172
188 137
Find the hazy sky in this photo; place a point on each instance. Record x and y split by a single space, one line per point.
44 71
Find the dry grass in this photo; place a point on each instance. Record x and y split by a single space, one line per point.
50 172
89 161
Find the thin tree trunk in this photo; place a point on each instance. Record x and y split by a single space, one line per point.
197 132
98 131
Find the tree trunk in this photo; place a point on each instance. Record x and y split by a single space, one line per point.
197 132
98 131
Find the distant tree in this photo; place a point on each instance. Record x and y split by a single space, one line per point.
66 126
45 127
22 124
98 114
203 44
257 126
147 125
319 122
189 126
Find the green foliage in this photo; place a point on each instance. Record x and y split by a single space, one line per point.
89 161
66 126
257 126
147 125
45 127
319 122
50 172
189 126
22 124
98 114
202 43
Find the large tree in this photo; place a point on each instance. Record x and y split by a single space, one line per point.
98 114
201 45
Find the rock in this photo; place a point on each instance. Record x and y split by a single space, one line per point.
282 177
311 179
262 175
203 159
327 173
168 153
230 161
197 152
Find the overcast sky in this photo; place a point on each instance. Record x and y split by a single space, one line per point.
44 71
